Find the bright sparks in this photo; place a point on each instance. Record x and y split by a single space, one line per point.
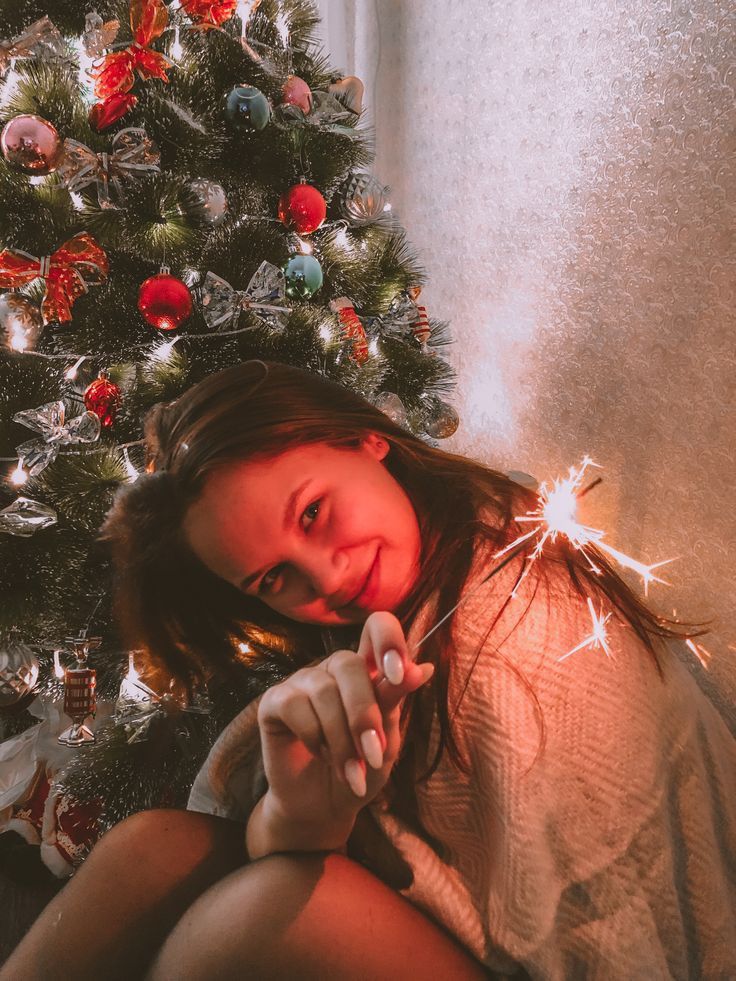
598 638
557 515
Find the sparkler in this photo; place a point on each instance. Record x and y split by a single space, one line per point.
556 514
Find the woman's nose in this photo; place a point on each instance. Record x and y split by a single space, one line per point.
325 572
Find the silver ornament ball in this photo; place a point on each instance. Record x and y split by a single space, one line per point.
18 669
205 201
441 421
362 199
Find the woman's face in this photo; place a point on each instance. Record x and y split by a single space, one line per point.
320 534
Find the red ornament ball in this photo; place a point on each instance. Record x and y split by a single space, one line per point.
302 208
32 145
103 398
296 92
164 301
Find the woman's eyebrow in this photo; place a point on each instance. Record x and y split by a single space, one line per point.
289 518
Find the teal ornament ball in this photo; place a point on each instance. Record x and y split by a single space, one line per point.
247 109
303 277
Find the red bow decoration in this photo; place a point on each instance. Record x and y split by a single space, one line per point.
76 265
209 13
115 75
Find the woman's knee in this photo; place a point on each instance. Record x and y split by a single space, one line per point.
308 915
170 844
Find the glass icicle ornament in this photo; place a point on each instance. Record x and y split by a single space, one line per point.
391 405
25 516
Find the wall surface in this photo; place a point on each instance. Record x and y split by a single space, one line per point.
567 169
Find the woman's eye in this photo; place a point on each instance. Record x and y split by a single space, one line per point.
313 507
269 579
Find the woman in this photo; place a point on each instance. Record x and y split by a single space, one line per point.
549 816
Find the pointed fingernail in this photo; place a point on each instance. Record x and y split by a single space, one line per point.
393 667
356 778
371 746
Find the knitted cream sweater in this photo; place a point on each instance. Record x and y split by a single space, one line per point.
606 852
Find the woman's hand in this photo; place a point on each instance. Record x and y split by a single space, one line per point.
330 732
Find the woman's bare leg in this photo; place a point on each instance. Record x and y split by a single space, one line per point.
314 917
112 917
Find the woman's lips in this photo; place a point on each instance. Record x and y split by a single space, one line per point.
367 593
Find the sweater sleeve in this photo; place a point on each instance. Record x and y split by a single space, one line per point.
597 815
232 780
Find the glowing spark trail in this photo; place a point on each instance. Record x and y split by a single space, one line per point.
599 637
702 653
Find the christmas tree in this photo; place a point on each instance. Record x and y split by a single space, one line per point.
182 188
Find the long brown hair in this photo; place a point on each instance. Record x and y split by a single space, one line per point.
199 627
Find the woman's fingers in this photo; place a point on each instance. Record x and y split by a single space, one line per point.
383 646
287 706
344 710
361 708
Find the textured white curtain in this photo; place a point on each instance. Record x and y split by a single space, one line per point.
567 169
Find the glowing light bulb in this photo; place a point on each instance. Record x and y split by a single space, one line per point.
18 337
176 50
132 689
58 666
11 85
325 333
282 26
306 247
77 200
244 648
373 346
387 206
71 373
341 239
133 474
18 477
162 352
85 67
